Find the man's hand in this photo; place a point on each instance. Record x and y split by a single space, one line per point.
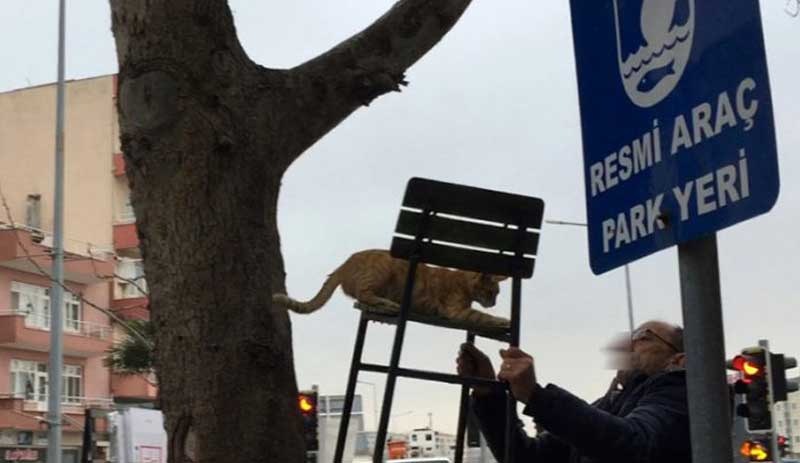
517 369
472 362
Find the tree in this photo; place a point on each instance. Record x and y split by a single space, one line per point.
207 136
134 354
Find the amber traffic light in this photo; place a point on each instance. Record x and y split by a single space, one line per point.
755 450
307 403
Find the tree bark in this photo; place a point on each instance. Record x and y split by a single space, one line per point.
207 136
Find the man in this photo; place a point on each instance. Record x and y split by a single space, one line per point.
642 418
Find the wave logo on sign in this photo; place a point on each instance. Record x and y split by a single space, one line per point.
654 41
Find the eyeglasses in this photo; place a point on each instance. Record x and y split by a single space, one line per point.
644 333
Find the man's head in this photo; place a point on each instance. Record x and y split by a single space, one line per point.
657 346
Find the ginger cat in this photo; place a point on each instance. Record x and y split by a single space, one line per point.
374 277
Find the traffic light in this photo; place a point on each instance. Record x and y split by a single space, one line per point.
756 450
755 383
783 446
307 402
777 371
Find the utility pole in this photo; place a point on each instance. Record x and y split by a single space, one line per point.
56 362
628 293
773 438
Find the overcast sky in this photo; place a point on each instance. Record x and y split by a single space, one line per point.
493 105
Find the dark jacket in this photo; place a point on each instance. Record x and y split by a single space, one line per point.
646 422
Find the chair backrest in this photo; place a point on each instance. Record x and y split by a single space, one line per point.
468 228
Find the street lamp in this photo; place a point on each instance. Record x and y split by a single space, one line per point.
627 270
374 404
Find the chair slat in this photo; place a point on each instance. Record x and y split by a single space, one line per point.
478 203
464 259
469 233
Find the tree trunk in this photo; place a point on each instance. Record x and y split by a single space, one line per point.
207 135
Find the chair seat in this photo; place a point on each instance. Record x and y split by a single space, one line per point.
390 315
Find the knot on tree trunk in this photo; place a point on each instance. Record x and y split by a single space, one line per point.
150 101
371 82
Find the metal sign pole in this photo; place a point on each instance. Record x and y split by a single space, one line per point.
709 412
56 360
629 297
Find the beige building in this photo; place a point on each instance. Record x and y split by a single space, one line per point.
427 442
100 241
787 421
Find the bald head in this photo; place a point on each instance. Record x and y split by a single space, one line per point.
657 346
673 334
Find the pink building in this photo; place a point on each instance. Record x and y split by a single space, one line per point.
100 241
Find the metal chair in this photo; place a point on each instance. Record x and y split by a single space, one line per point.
459 227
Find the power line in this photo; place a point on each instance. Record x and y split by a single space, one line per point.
44 273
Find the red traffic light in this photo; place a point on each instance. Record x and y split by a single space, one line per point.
749 366
306 403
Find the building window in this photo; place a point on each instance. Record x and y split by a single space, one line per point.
413 438
428 436
335 404
34 302
72 384
132 282
33 211
72 313
29 381
127 214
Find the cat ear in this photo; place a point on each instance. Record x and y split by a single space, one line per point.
499 278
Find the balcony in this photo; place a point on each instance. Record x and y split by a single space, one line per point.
131 308
119 165
17 412
81 339
125 236
31 250
138 387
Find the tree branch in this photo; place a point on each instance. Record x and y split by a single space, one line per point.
365 66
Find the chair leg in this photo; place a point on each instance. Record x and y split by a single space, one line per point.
388 394
397 347
355 366
511 403
463 413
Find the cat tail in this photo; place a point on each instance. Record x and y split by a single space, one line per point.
331 283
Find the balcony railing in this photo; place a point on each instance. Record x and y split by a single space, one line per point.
79 248
38 402
71 326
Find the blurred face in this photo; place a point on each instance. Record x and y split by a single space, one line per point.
649 350
653 349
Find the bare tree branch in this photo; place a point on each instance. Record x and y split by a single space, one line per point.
369 64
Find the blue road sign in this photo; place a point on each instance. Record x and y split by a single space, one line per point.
676 114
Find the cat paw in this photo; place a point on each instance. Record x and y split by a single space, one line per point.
501 323
391 308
